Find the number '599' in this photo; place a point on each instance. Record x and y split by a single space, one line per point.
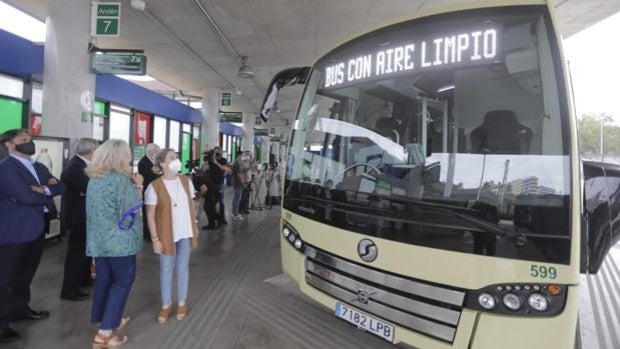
540 271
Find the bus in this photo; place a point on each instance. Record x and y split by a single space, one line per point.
434 195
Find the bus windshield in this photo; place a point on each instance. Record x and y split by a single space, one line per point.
449 132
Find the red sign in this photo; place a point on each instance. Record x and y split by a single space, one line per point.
35 125
142 128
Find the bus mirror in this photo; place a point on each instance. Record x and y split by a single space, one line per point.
284 78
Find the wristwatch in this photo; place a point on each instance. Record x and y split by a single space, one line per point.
154 238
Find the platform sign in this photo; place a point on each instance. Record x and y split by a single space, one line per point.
258 121
112 63
231 117
225 99
261 132
105 19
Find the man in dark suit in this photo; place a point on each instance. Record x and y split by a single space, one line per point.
26 191
77 264
145 168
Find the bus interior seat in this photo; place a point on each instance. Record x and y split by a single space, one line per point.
501 133
390 128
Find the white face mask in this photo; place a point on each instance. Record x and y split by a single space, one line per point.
175 166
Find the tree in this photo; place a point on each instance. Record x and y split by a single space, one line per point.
590 136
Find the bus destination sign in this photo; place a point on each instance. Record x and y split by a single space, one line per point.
415 56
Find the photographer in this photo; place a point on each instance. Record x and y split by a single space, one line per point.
218 165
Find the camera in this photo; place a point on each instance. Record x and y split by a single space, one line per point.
190 165
208 155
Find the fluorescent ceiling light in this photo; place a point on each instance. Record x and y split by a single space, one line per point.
141 78
238 124
446 88
21 24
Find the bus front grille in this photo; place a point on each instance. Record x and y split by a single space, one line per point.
428 309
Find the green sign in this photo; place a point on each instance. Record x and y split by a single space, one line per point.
99 109
105 19
11 114
139 150
225 99
111 63
258 121
231 117
261 132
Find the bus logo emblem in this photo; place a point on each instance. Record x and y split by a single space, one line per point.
367 250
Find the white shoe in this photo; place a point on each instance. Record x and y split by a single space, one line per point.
239 217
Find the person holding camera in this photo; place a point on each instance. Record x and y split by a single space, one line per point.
218 166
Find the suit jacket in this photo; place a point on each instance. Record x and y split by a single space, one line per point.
21 209
145 168
76 181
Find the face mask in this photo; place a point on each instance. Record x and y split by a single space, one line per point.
26 148
175 166
219 155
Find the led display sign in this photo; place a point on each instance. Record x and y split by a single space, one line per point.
467 48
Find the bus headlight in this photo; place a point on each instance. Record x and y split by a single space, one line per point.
538 302
519 299
486 301
298 244
512 301
293 237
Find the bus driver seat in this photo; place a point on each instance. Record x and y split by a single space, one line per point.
501 133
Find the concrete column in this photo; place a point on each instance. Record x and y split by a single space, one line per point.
210 123
66 75
248 131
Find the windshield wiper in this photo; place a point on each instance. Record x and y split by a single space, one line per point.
518 239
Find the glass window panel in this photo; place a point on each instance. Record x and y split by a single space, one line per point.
187 128
119 126
11 87
36 101
173 137
159 132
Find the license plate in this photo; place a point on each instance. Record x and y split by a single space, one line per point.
365 322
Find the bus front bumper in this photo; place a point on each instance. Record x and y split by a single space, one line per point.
475 329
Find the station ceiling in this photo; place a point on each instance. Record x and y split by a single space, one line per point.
185 53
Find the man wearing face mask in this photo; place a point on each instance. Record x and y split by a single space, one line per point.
218 166
26 192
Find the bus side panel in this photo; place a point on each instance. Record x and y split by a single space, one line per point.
506 332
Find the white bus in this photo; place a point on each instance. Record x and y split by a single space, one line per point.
434 194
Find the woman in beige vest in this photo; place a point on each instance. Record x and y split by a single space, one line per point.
170 215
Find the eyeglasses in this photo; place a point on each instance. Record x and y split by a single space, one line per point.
129 217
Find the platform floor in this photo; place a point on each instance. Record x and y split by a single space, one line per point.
240 299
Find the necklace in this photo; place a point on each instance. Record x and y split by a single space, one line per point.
176 193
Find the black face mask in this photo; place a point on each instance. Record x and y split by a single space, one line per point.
26 148
219 155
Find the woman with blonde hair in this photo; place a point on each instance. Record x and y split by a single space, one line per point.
170 216
113 236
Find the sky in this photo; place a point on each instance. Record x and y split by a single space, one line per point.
593 58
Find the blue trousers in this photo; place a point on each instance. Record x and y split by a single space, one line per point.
115 276
180 262
237 200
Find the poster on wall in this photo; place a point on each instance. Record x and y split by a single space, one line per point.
35 125
142 128
53 154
